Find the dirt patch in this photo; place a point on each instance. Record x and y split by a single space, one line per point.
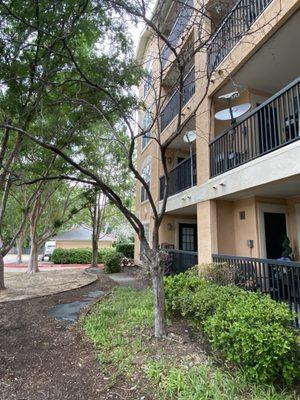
20 286
45 359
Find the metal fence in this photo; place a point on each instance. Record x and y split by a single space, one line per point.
235 25
180 177
273 124
280 279
180 261
172 107
178 29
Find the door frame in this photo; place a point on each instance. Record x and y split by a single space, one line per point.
271 208
179 221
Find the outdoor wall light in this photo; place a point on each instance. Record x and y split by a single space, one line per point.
170 227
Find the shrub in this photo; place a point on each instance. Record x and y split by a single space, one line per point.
220 273
126 248
250 329
112 260
73 256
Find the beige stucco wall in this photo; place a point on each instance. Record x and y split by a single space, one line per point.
81 244
207 230
219 226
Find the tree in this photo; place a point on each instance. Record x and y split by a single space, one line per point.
100 83
54 205
96 204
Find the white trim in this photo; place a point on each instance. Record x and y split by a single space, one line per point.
182 221
272 208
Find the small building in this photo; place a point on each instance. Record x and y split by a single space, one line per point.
81 238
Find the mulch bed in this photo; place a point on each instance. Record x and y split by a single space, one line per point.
45 359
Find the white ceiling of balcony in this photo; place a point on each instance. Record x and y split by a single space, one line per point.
275 64
287 188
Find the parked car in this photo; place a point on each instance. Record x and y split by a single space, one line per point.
49 248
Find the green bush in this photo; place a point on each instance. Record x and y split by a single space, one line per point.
250 329
126 248
75 256
112 260
221 273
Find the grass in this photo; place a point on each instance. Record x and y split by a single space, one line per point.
120 327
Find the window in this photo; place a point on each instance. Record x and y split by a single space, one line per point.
146 126
146 174
148 77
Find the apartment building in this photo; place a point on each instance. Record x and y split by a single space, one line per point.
235 191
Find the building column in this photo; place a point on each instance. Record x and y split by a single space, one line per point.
207 230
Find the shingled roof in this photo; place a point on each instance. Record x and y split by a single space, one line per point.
81 233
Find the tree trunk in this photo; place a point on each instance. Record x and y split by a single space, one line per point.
94 263
19 243
97 214
157 272
2 287
33 259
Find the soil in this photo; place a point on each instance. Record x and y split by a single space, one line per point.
21 286
42 358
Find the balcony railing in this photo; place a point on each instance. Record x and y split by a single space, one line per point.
280 279
178 29
232 29
180 261
171 109
180 177
275 123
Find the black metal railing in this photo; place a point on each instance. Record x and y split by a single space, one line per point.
177 30
172 107
180 261
273 124
180 177
280 279
235 25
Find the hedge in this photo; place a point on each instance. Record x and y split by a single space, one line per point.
76 256
126 248
112 260
249 329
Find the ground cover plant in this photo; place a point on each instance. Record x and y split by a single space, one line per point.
178 367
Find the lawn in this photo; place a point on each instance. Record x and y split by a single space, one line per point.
179 367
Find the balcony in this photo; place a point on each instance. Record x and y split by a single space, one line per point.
275 123
171 109
180 177
236 24
178 29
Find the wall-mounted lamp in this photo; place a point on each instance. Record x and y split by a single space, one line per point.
170 227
